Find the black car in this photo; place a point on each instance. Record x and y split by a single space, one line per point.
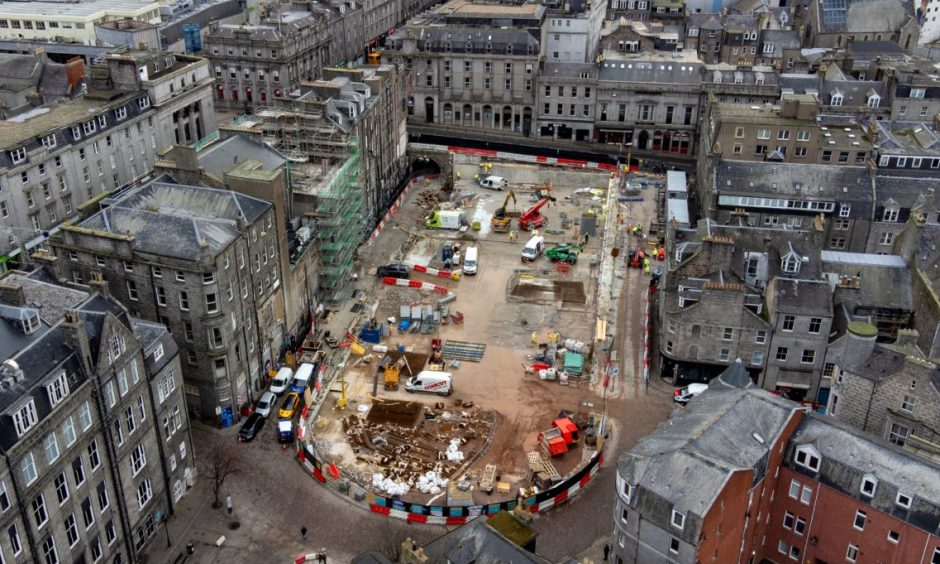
393 271
251 427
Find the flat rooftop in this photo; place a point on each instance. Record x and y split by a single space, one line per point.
60 11
481 9
16 131
757 113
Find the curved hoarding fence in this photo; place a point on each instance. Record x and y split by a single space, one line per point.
453 515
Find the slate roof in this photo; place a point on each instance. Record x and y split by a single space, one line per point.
478 543
686 460
651 71
176 221
816 181
884 286
781 39
908 138
839 442
799 83
802 297
735 376
854 92
18 72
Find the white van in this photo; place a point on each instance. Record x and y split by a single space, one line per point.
431 382
533 249
302 378
470 261
494 183
282 380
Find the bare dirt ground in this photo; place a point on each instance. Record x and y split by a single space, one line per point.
525 404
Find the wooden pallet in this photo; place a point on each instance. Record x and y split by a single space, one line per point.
537 463
461 350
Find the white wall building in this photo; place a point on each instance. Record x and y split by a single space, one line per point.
61 21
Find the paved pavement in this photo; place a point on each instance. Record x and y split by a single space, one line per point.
272 500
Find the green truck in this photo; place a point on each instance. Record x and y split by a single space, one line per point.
564 253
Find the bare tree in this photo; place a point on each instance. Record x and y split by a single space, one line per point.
218 463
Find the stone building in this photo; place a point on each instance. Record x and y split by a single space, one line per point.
649 101
465 68
203 263
27 81
255 63
88 471
887 389
241 164
835 202
800 312
56 157
791 132
709 315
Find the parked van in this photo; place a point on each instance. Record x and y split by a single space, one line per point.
302 378
431 382
282 380
470 261
494 183
533 249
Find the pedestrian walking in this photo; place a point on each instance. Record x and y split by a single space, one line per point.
303 532
512 235
606 552
228 504
321 556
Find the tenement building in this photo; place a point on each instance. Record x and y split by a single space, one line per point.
88 471
55 157
204 263
742 475
466 68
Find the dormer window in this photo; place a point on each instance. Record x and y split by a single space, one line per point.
790 263
58 389
890 215
717 77
837 98
869 485
903 500
468 47
25 418
807 457
627 491
678 520
874 100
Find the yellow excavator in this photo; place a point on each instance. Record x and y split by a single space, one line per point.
501 220
392 372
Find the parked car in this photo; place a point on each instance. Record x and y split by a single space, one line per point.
393 271
251 427
683 395
266 403
290 405
282 380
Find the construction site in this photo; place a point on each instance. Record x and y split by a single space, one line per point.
479 359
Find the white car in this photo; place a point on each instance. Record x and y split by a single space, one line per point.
265 404
683 395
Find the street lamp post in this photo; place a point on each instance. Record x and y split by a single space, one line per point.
165 519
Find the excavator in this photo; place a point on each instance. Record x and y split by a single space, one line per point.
501 220
532 219
564 253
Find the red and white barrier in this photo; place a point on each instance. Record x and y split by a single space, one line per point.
417 284
431 271
536 159
394 207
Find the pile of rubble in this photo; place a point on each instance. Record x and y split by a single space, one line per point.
411 446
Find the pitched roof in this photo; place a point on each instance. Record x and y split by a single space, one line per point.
838 441
687 459
178 221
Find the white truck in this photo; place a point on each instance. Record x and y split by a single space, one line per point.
533 248
446 219
494 183
430 382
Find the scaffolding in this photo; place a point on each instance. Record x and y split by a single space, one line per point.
324 169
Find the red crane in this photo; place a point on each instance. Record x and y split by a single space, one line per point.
532 219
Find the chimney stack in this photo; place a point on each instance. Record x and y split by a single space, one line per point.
77 338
